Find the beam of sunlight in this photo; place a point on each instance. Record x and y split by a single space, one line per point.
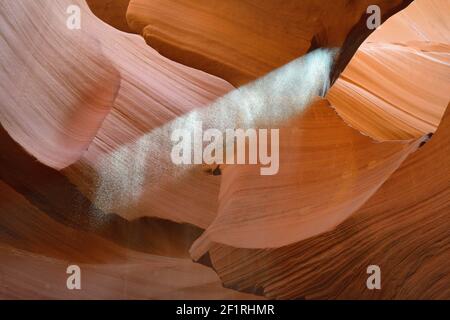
135 168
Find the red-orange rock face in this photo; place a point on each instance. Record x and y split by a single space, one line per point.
90 116
243 40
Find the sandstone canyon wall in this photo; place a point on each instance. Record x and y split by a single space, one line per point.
87 178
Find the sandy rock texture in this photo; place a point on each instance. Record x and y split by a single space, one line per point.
85 142
242 40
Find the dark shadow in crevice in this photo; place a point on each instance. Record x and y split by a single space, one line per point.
52 193
112 12
355 38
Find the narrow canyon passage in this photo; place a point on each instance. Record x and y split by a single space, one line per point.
87 178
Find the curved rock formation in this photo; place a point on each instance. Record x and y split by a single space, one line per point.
321 158
240 41
97 107
50 105
403 228
113 12
140 179
387 91
149 91
109 271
